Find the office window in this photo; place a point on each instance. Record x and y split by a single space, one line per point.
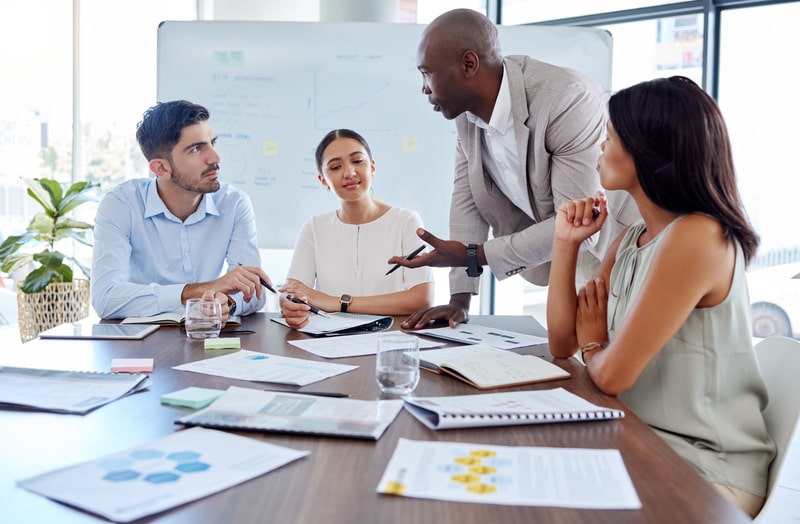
35 114
118 82
530 11
757 93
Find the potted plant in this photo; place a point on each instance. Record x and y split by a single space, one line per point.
49 295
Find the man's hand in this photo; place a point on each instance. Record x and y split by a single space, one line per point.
456 312
246 279
445 253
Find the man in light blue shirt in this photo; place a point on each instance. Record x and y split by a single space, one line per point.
160 241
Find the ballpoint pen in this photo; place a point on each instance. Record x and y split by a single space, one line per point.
314 309
317 393
408 257
264 283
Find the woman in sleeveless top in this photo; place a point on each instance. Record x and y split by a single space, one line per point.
665 324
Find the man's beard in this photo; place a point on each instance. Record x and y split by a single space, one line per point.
184 181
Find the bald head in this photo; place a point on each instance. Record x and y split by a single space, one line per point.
461 64
461 30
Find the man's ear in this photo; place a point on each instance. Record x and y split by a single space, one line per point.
470 63
160 167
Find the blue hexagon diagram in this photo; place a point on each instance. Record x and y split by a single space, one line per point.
162 477
183 456
146 454
122 475
192 467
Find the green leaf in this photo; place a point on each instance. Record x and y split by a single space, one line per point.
50 259
41 277
84 269
76 195
40 194
42 224
53 188
13 243
15 262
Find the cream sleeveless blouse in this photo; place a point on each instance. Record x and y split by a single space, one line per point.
703 393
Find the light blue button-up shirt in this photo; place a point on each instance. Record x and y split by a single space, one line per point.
144 255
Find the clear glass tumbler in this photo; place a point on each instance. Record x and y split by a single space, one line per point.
397 363
203 318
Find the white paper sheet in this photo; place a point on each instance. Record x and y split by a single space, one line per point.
475 334
262 367
176 469
75 392
510 475
350 345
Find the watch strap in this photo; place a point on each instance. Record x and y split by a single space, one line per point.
473 268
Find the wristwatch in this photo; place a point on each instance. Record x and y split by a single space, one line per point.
473 268
592 346
344 301
231 306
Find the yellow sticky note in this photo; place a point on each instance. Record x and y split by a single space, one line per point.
409 144
222 343
269 148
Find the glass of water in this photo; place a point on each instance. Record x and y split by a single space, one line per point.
203 318
397 363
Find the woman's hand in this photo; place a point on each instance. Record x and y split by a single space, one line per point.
577 220
591 320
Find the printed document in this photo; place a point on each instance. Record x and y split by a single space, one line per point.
510 475
475 334
262 367
179 468
350 345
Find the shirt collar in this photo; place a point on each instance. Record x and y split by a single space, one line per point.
155 206
501 119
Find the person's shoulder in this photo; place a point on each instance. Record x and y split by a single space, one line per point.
135 187
544 75
696 231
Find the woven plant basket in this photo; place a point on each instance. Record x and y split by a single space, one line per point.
58 303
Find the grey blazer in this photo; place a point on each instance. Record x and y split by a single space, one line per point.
559 120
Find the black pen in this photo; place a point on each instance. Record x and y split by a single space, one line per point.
317 393
263 282
408 257
314 309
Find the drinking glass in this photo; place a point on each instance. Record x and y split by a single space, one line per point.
203 318
397 363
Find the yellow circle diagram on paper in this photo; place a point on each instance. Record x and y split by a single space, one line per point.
467 461
483 453
482 489
482 470
464 478
395 488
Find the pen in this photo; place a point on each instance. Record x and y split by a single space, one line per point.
317 393
408 257
314 309
263 282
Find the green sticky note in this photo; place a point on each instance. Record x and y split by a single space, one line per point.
222 343
192 397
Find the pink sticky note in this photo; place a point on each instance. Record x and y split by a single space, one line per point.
132 365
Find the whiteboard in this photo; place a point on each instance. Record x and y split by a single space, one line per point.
274 89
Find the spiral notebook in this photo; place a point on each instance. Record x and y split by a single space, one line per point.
512 408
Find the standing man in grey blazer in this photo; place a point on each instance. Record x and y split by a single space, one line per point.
529 137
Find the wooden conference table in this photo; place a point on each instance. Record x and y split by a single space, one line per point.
336 483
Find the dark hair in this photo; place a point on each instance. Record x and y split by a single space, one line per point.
333 135
161 126
680 147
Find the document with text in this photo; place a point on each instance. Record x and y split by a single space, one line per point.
179 468
262 367
510 475
350 345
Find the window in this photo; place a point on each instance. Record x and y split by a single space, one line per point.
530 11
